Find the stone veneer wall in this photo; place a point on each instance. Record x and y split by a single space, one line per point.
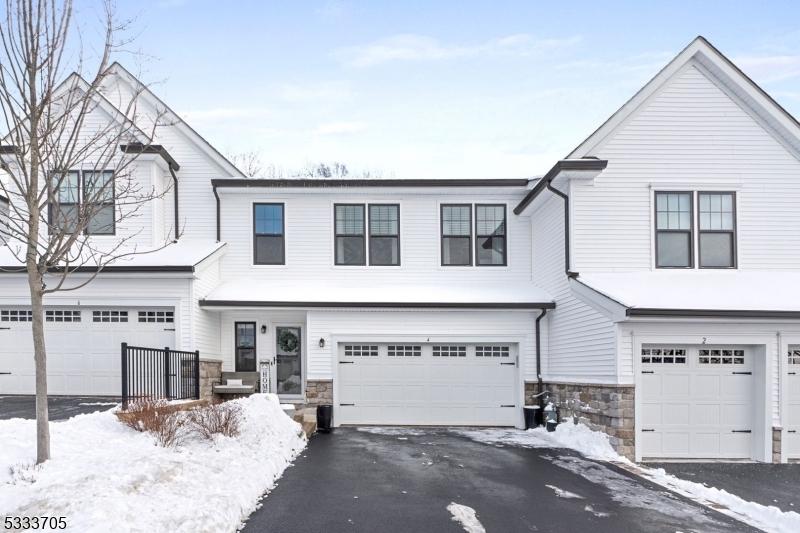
606 408
210 375
777 435
319 392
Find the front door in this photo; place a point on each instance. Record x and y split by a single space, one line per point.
288 361
245 346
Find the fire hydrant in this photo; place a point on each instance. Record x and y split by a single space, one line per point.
551 416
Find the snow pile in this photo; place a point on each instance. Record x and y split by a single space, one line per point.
105 476
467 517
591 444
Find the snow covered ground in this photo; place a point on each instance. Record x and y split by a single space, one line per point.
595 445
105 476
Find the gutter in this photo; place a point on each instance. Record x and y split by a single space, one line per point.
109 269
373 305
175 201
588 163
711 313
376 182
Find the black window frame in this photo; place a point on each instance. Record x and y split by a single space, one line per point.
236 344
368 222
442 235
105 203
732 232
59 178
479 236
282 235
363 235
690 231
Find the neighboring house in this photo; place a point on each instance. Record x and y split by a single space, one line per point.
649 281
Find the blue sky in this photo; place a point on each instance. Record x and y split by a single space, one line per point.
433 89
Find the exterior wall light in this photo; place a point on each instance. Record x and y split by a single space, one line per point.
321 342
263 328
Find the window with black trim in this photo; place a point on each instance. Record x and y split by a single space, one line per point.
16 315
716 229
62 315
269 240
109 316
98 195
674 230
65 206
490 235
456 228
350 242
162 317
384 234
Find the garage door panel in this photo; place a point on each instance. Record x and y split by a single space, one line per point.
454 387
692 402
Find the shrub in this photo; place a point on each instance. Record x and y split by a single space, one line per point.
166 425
217 419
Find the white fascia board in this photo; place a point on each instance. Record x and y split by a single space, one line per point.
610 308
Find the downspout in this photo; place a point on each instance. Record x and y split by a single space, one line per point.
566 225
175 200
216 195
539 356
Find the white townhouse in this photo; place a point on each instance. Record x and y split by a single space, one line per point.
650 281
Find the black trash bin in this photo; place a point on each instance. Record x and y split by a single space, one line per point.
533 416
324 418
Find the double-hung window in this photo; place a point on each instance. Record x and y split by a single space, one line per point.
490 235
269 242
456 234
716 229
674 239
87 193
384 234
349 234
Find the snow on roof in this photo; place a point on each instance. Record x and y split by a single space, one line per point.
306 292
184 254
725 290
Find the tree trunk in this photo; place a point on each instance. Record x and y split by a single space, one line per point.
40 360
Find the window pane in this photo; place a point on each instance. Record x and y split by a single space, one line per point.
384 251
716 211
350 251
491 251
102 220
716 249
65 217
490 220
269 219
98 186
456 220
66 190
269 250
349 219
456 251
673 211
673 249
383 219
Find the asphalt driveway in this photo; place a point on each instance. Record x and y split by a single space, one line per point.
60 407
403 480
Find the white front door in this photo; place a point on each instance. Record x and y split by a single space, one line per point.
696 402
792 430
427 384
83 346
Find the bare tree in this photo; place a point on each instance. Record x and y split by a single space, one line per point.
253 166
248 162
55 212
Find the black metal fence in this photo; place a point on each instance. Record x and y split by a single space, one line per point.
159 374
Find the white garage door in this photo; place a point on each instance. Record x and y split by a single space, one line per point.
427 384
83 346
696 402
792 435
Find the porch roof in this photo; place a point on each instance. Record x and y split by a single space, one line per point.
305 294
731 293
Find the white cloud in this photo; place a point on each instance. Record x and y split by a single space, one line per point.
770 68
339 128
226 113
412 47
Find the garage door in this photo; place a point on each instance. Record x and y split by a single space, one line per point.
696 402
427 384
83 346
793 414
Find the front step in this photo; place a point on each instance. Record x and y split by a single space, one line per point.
307 418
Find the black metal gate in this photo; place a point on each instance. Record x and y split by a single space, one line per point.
159 373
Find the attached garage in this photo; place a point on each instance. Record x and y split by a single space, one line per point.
792 434
83 346
697 402
427 384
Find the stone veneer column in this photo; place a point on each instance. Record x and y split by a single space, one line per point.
210 375
606 408
319 392
777 435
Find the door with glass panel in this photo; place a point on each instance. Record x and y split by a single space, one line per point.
288 361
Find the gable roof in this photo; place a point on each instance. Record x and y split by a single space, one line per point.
191 133
771 115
